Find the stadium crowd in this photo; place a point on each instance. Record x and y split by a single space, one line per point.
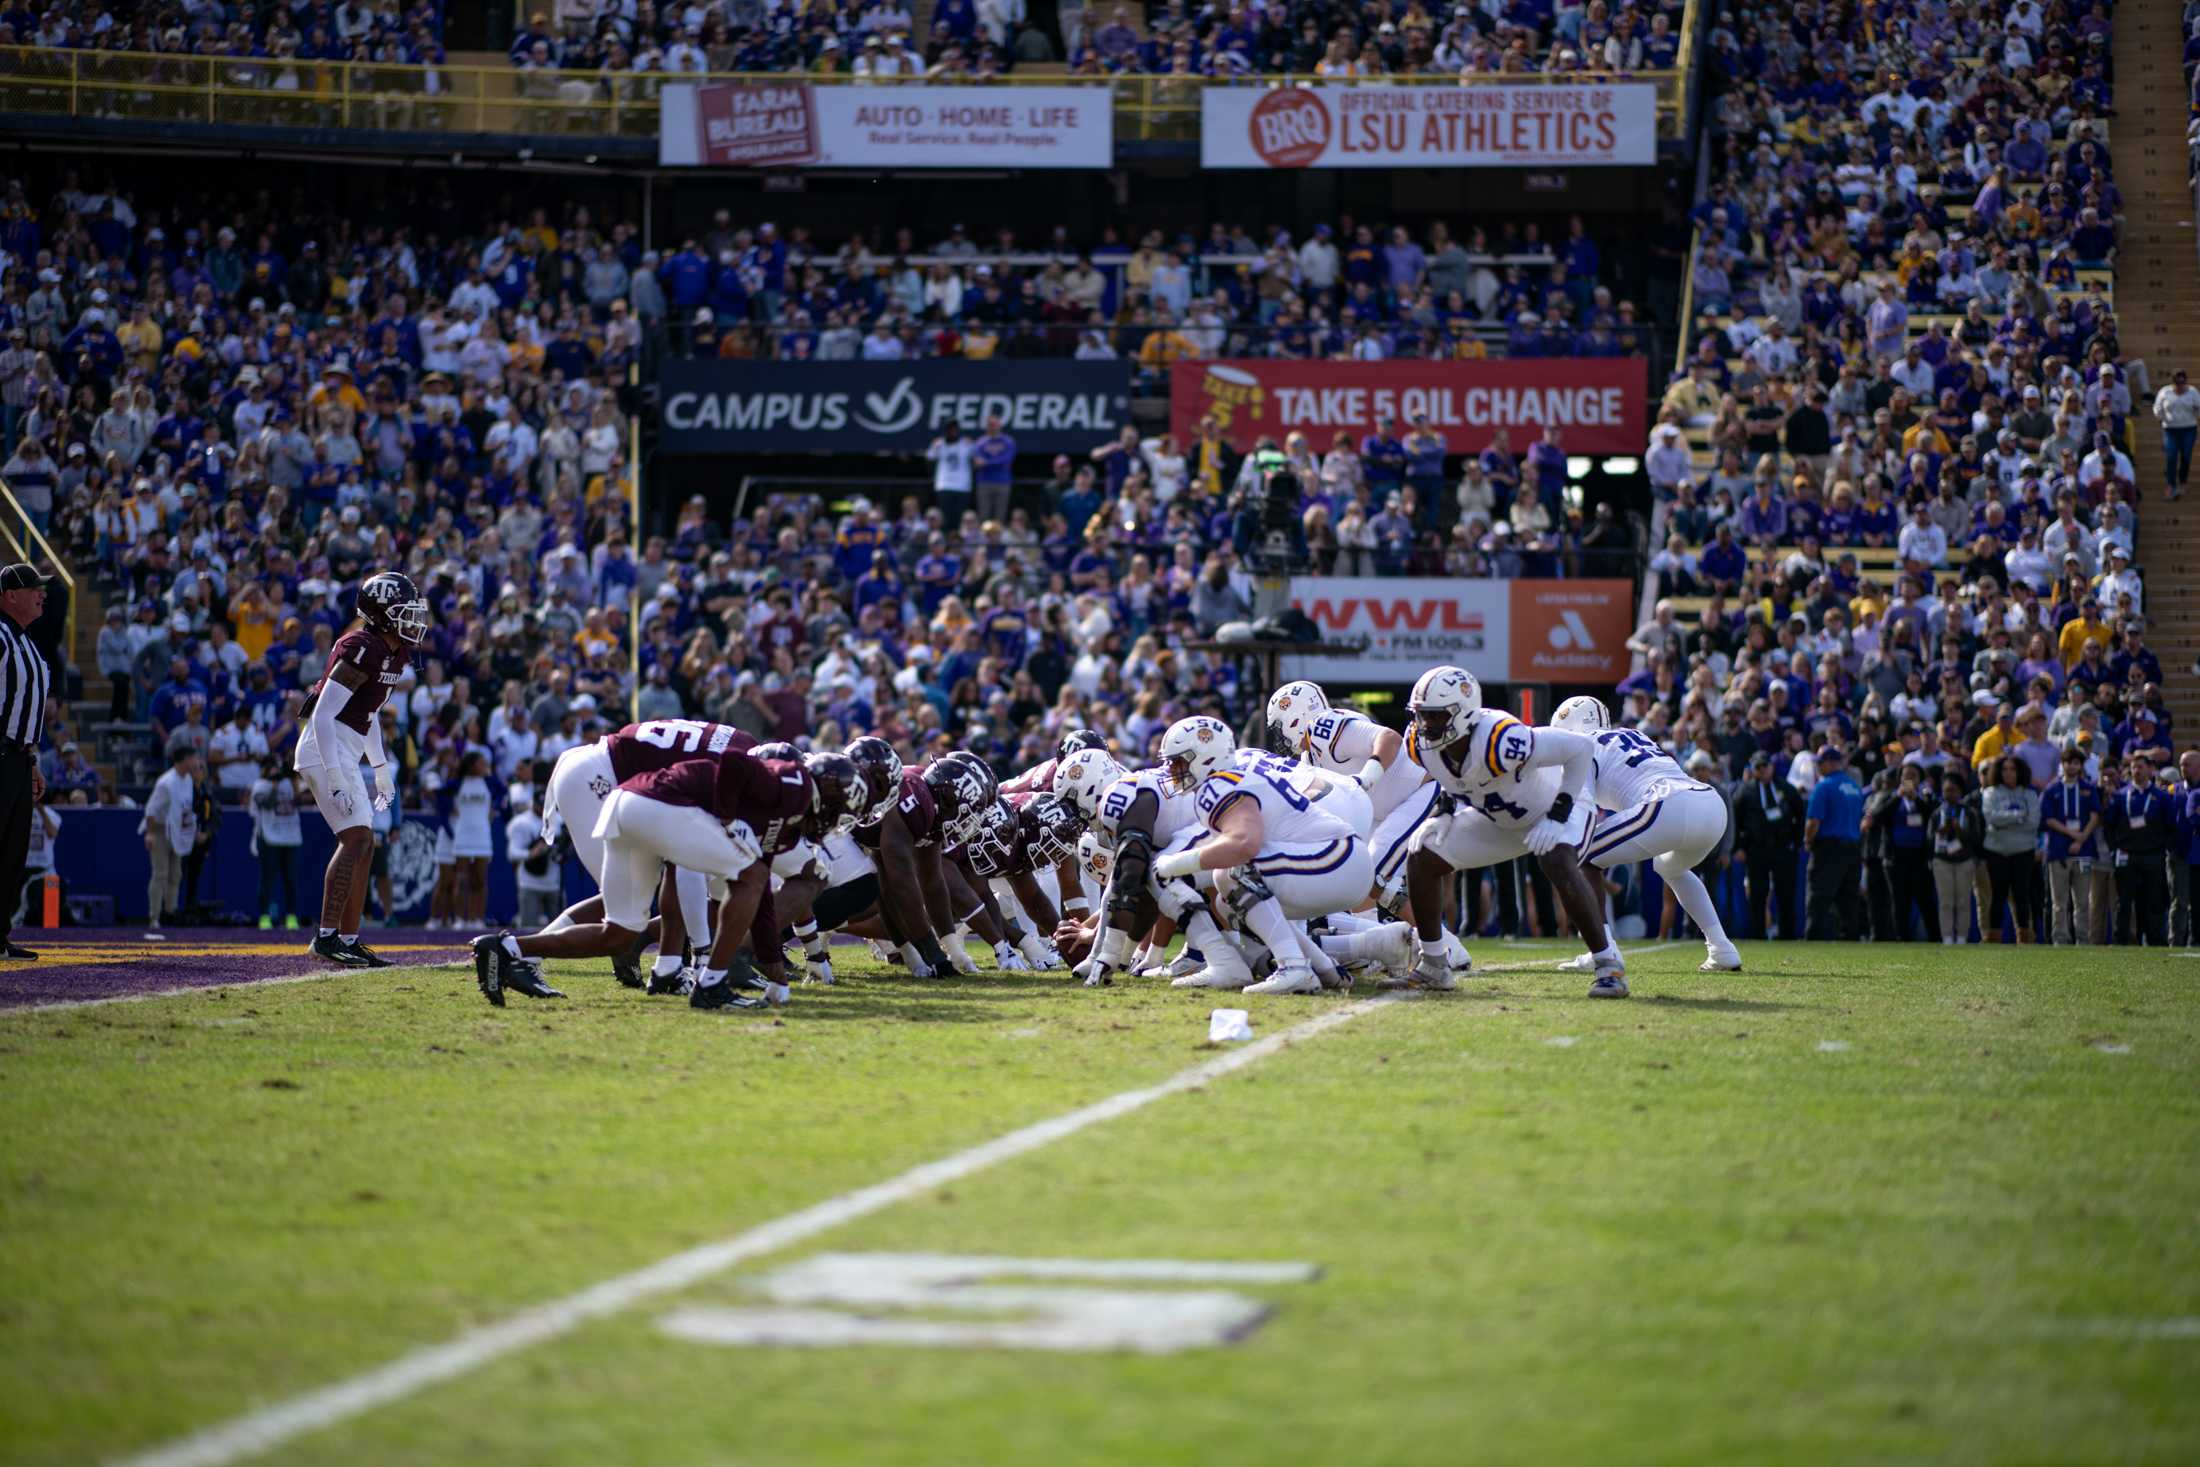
245 37
1354 290
1894 492
975 40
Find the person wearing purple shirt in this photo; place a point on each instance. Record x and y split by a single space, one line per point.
1404 263
1501 469
1723 563
1887 322
1763 518
1383 457
1547 462
1116 41
992 460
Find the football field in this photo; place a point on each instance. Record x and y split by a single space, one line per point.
1856 1204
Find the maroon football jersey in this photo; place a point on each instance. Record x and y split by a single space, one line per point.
917 811
382 664
772 797
642 748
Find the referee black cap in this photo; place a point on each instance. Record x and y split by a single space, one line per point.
23 576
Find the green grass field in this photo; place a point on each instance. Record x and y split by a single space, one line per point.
1860 1204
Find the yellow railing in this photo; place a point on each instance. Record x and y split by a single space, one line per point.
142 87
19 548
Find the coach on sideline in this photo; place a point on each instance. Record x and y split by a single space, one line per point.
24 681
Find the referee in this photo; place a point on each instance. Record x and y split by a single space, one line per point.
25 678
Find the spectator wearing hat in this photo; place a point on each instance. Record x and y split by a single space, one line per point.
2070 820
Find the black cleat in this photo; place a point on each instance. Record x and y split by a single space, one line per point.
627 966
334 949
490 961
16 951
368 957
675 984
521 977
723 995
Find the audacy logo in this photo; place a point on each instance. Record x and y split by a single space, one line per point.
1570 633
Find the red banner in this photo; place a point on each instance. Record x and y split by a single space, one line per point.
769 125
1597 402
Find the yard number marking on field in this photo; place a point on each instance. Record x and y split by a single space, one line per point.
1013 1316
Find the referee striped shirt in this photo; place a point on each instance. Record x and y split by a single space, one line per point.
24 682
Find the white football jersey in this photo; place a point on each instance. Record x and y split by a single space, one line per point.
1289 796
1343 740
1632 770
1492 772
1175 814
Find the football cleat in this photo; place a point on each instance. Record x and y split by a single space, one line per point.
489 961
523 977
1295 977
679 983
1729 961
1611 982
367 956
1183 963
334 949
722 995
1214 978
1579 963
627 966
1431 972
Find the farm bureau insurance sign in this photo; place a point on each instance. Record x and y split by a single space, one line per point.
1597 401
796 124
1501 631
872 407
1494 125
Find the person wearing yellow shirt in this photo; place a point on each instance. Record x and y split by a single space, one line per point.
336 386
1923 437
254 618
1695 396
1164 346
2085 627
1999 739
141 339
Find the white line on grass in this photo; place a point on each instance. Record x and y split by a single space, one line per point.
259 1431
188 990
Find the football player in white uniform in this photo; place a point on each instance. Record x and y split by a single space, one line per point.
1510 794
1657 812
1345 741
1134 816
1275 854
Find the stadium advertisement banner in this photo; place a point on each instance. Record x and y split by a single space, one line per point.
1501 631
1597 401
1495 126
1050 406
795 124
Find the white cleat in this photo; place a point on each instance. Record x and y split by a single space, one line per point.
1728 961
1176 967
1611 981
1289 978
1211 977
1435 977
1579 963
1390 946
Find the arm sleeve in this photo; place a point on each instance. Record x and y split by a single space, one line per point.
376 754
333 698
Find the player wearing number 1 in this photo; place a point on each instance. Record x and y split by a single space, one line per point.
340 729
1656 811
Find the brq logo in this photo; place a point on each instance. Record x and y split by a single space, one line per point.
896 412
412 865
1570 633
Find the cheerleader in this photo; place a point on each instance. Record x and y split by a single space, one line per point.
472 806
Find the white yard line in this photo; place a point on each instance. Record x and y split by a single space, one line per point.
188 990
259 1431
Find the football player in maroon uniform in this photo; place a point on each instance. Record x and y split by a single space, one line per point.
722 817
584 778
339 728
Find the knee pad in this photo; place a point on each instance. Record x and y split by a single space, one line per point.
1247 891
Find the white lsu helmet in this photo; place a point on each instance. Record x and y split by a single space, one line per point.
1079 779
1194 748
1583 715
1292 710
1440 704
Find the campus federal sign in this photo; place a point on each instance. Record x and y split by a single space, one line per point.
731 406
